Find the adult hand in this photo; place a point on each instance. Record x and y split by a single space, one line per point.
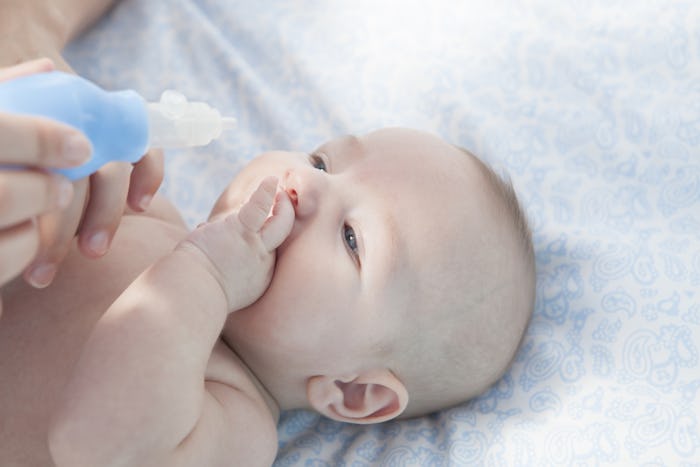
35 28
238 250
94 214
39 236
28 190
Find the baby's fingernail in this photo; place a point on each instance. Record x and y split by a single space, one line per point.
98 242
42 275
269 185
145 201
64 192
76 148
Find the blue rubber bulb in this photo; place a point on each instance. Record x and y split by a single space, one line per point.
115 122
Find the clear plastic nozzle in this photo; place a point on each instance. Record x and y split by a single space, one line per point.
175 123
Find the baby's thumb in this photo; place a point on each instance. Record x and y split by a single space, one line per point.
278 226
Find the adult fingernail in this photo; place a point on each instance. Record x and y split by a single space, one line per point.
64 192
76 148
99 242
42 275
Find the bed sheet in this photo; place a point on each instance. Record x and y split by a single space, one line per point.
593 108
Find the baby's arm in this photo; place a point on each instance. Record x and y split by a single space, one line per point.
138 395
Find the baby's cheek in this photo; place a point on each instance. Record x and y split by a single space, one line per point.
222 205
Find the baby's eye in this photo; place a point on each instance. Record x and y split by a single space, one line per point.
351 242
317 162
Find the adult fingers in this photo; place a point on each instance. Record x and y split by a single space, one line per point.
146 177
26 194
108 191
18 245
40 65
41 142
56 231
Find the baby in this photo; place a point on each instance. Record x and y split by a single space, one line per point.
381 276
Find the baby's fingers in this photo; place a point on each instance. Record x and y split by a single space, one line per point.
254 212
279 226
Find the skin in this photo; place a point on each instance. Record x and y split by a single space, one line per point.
27 194
38 243
40 210
351 312
44 334
243 304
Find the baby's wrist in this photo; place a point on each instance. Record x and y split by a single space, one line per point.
195 262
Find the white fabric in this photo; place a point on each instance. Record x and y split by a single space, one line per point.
593 108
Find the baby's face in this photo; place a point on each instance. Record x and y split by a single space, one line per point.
370 212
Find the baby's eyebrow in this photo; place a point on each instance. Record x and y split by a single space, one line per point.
352 145
348 147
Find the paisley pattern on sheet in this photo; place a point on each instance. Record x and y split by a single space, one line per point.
592 108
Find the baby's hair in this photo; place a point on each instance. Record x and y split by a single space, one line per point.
502 186
471 376
503 189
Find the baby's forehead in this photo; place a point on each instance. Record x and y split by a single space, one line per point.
441 232
397 145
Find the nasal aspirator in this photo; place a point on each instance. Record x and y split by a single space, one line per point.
120 125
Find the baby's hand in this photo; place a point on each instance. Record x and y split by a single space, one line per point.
239 249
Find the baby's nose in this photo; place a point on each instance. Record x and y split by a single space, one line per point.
293 196
303 190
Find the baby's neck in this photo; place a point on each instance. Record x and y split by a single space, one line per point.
272 404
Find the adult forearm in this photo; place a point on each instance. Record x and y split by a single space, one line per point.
35 28
138 388
77 15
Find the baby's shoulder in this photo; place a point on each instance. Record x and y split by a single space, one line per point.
250 413
227 368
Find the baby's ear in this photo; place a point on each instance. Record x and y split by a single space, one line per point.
372 397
